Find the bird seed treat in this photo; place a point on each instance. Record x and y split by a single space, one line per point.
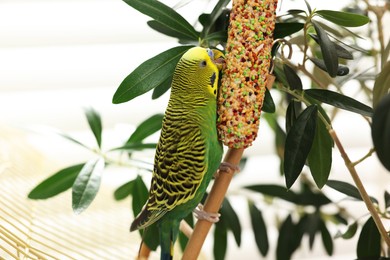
248 58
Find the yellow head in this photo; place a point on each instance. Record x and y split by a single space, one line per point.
197 73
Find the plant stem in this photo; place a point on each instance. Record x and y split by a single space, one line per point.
359 185
302 68
372 150
301 98
213 203
379 12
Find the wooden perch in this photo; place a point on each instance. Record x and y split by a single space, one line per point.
213 204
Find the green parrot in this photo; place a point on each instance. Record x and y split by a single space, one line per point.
189 151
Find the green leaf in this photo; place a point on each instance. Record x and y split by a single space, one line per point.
291 114
293 80
313 199
300 230
231 220
164 29
164 15
220 241
214 15
308 7
326 238
66 136
286 240
320 109
340 101
369 242
286 29
162 88
57 183
131 147
204 20
312 225
220 36
280 142
341 51
87 184
343 18
349 44
380 131
298 144
347 189
387 199
139 195
339 218
124 190
268 103
350 232
95 123
149 74
259 228
328 50
280 76
341 70
320 155
381 85
146 128
222 22
309 197
295 11
274 191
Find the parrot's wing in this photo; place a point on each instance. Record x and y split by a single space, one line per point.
180 165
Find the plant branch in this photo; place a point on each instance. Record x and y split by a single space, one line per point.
379 12
372 150
359 185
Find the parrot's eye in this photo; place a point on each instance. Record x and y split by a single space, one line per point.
203 63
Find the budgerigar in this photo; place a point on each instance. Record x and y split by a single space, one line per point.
188 152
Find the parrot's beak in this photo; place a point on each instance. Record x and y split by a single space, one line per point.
219 59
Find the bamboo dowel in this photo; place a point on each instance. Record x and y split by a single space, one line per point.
186 228
144 252
213 203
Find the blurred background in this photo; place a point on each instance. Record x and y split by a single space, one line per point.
60 56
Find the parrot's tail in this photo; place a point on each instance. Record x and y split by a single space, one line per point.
168 234
166 256
166 247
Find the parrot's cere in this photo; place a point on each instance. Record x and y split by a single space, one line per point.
248 58
188 152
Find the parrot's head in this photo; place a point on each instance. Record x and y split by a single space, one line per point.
201 67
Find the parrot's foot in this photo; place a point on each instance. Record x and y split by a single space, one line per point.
201 214
227 168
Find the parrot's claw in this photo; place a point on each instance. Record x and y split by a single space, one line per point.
201 214
227 168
